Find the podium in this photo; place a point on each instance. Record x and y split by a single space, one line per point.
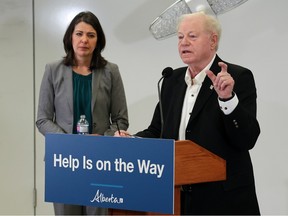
82 170
193 164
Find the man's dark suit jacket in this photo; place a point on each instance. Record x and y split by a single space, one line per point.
228 136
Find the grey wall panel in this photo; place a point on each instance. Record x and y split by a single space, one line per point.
16 112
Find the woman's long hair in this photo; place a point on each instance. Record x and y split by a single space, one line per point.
97 60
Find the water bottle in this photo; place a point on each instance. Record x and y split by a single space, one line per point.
83 125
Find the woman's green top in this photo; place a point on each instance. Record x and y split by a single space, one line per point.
82 94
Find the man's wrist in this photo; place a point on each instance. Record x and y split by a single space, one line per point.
227 99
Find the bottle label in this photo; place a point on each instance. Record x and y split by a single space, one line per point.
82 129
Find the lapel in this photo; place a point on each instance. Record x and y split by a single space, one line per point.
177 98
96 77
205 91
203 96
68 80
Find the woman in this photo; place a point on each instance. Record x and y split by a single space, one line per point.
82 83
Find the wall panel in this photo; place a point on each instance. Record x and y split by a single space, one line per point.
16 112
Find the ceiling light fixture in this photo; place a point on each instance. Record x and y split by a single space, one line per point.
164 25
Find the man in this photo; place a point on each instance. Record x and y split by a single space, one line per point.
212 103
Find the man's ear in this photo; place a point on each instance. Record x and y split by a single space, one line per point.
214 41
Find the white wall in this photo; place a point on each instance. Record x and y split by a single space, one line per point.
254 35
16 109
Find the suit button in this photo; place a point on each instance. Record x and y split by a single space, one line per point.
235 123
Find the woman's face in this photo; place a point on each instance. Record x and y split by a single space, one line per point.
84 40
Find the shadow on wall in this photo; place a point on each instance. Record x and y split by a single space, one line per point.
135 27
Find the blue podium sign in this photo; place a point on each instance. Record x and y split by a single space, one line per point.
110 172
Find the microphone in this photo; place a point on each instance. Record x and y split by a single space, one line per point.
167 72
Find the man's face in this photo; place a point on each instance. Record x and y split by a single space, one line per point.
195 44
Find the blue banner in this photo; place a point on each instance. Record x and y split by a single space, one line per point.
111 172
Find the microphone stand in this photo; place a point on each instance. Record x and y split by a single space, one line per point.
167 72
160 106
